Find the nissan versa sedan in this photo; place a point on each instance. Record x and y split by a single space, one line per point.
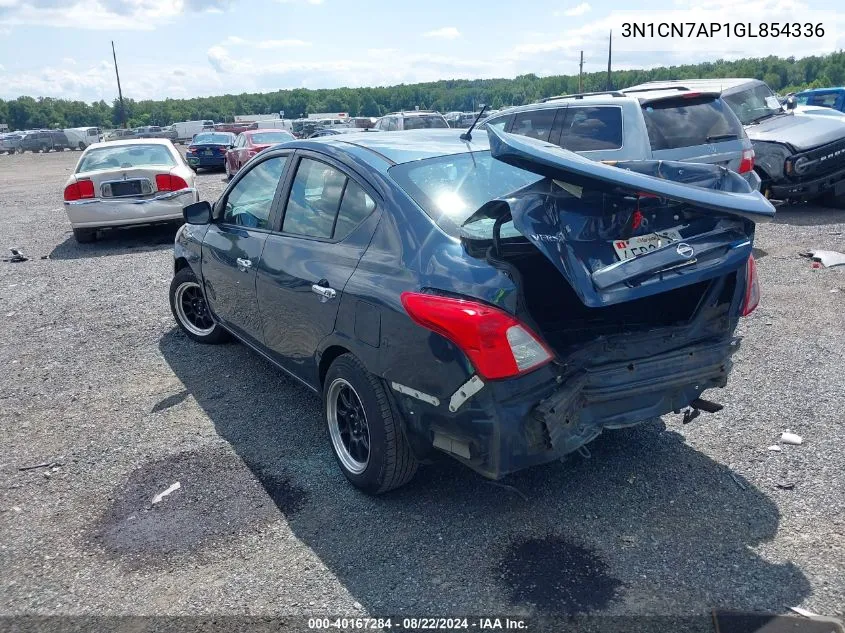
498 299
126 183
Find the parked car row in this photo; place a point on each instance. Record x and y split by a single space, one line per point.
49 140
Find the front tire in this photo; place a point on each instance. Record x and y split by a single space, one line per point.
190 309
85 236
364 429
228 172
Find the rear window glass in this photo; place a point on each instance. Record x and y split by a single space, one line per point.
535 123
827 100
424 122
212 139
451 188
588 129
678 123
266 138
125 156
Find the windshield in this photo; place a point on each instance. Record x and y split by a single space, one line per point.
212 139
451 188
422 122
268 138
125 156
754 104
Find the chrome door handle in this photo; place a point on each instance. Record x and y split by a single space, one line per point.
325 293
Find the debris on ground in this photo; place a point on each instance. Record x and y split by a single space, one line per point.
53 465
785 485
162 495
804 612
16 256
828 259
787 437
775 448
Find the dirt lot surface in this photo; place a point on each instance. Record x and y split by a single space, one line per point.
662 519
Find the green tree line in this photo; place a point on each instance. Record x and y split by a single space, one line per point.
782 75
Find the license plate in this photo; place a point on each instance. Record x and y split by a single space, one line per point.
126 188
209 152
642 244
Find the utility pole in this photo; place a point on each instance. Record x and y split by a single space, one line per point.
609 47
581 74
119 91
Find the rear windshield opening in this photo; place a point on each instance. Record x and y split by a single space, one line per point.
451 188
675 123
268 138
424 122
126 156
212 139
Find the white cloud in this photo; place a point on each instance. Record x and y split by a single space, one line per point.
580 9
269 44
234 40
446 33
300 1
101 14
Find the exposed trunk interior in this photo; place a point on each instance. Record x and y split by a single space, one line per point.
565 322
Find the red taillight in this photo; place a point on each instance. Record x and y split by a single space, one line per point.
747 162
497 344
169 182
752 287
192 150
79 190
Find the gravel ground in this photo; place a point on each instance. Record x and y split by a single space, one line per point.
662 519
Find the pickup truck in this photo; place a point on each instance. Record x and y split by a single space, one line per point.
798 158
825 97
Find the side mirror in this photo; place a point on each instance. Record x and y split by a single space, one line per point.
791 103
198 212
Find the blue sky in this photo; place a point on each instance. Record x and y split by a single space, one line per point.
182 48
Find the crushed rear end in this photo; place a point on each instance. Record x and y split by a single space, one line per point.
633 274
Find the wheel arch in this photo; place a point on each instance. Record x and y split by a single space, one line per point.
328 356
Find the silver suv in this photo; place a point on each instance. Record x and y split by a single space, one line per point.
413 120
669 124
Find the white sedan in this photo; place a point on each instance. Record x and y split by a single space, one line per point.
125 183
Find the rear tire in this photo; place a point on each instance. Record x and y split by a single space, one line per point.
189 308
85 236
81 146
359 414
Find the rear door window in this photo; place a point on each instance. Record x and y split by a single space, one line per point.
685 122
324 203
534 123
586 129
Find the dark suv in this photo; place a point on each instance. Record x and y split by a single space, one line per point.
799 158
44 141
498 299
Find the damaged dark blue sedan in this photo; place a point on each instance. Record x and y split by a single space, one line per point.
495 298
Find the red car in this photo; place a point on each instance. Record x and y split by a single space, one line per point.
249 143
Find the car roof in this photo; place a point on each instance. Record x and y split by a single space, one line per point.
708 85
266 129
133 141
411 145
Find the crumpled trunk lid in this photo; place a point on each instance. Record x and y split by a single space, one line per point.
625 231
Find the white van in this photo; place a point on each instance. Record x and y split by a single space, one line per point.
186 130
82 137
